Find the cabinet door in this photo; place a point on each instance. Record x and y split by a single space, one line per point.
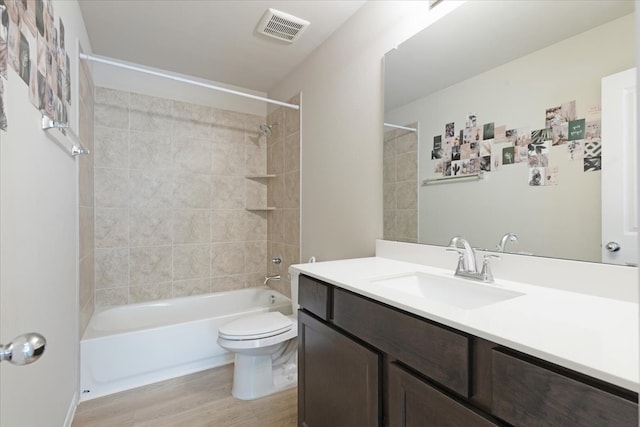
525 394
414 403
338 378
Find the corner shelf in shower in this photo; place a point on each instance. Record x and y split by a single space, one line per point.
269 208
260 176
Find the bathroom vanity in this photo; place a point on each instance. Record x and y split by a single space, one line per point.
376 356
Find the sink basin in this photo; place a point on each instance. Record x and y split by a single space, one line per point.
447 290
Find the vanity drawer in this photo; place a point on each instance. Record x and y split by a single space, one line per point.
526 394
436 352
414 403
314 296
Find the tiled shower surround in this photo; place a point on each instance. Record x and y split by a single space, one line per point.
283 161
85 199
170 198
400 177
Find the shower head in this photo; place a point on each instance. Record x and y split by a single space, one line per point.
266 129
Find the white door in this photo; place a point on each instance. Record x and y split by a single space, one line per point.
38 267
619 169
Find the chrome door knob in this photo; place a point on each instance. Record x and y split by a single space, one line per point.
612 247
24 349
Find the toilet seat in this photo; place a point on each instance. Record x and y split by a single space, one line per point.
258 326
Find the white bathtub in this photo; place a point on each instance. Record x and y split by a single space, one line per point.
129 346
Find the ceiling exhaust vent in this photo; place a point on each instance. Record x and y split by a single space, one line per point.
282 26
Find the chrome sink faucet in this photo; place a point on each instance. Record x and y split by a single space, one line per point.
508 237
467 257
467 266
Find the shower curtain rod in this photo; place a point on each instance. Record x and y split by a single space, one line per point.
128 66
389 125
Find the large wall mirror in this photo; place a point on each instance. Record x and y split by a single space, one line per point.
505 100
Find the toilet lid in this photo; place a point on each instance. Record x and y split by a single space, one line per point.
256 326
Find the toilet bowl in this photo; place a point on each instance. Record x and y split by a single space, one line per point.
265 350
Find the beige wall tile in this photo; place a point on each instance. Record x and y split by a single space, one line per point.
185 288
406 224
150 189
276 226
292 121
111 187
86 180
407 167
150 227
111 268
292 190
256 158
180 196
86 231
192 120
291 226
227 192
191 226
191 261
149 151
112 227
275 156
228 225
389 224
256 226
111 148
150 265
407 195
255 191
86 282
255 257
275 249
228 159
150 114
278 126
112 108
112 296
191 190
406 143
149 292
275 196
292 153
389 169
227 283
227 259
389 196
192 155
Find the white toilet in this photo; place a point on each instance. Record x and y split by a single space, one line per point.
265 348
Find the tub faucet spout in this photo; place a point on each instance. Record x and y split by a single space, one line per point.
267 278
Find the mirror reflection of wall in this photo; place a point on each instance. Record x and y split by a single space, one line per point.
400 174
561 219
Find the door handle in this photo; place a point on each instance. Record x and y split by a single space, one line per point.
612 247
25 349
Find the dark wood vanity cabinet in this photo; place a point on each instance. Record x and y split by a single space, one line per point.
364 363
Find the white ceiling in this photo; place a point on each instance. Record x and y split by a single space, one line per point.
213 39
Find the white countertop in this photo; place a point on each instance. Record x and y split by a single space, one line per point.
593 335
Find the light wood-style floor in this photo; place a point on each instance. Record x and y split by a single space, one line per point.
200 399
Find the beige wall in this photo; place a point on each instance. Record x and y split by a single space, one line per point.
341 128
170 199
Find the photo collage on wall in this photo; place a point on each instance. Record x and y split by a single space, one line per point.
487 147
34 47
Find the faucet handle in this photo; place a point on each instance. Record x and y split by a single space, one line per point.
460 252
487 275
